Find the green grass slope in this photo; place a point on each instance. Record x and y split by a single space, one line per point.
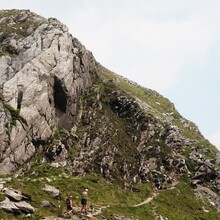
179 203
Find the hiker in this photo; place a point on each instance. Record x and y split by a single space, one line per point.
162 169
181 166
84 206
69 206
156 184
164 181
170 181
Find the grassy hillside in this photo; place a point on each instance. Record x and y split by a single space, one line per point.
179 203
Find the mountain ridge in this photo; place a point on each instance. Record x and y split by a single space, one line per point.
61 108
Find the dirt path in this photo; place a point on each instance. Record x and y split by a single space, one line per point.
99 210
149 199
91 215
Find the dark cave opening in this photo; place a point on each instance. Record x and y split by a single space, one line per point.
19 99
60 99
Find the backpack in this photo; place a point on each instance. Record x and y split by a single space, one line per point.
68 201
156 180
164 179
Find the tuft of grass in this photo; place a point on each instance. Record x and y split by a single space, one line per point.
14 113
7 13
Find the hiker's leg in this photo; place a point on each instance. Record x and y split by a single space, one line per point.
68 214
86 209
83 210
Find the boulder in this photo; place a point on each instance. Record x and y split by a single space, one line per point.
52 190
9 206
13 194
46 204
16 207
24 207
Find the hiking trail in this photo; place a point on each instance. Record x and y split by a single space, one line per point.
149 199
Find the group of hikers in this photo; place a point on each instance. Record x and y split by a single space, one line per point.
158 183
84 204
163 183
167 181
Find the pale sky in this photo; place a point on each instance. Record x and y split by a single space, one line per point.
171 46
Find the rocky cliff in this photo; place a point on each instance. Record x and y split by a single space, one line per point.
44 72
59 104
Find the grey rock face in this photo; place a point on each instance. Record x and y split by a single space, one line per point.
174 138
205 193
48 73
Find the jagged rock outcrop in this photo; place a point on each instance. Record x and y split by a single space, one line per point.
205 193
43 80
205 171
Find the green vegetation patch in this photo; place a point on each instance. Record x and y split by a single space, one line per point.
181 203
114 199
14 113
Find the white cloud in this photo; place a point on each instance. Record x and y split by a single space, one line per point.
215 140
153 51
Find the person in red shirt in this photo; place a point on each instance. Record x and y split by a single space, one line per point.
69 206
